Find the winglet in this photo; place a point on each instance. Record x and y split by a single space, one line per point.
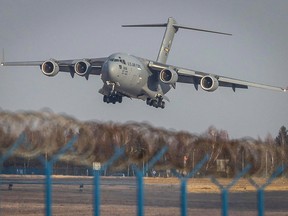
3 58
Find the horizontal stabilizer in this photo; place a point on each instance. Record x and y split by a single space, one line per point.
171 28
196 29
147 25
176 26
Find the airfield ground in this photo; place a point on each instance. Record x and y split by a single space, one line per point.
118 196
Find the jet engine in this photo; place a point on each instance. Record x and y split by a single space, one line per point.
50 68
209 83
168 76
82 67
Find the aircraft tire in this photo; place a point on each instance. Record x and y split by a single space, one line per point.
155 104
120 99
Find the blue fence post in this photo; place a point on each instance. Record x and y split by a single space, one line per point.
48 189
260 201
140 184
261 188
183 197
96 179
225 190
49 171
140 193
183 187
96 185
224 198
21 139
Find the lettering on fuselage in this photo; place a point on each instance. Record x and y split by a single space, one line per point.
130 64
124 70
134 65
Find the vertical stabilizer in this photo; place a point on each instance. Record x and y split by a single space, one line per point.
167 41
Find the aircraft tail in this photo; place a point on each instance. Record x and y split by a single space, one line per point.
171 28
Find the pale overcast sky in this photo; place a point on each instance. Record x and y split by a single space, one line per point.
257 51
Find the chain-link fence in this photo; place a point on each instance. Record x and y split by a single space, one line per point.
97 170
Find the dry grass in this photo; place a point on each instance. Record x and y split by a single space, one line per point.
204 185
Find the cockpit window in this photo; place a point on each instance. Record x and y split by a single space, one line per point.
118 60
114 60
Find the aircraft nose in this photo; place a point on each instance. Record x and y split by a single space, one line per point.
112 70
109 72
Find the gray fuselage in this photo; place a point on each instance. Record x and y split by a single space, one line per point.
130 76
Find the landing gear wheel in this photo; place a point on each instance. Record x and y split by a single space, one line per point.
155 104
112 98
158 102
162 104
105 98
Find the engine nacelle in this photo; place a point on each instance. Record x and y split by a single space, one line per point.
50 68
209 83
82 67
168 76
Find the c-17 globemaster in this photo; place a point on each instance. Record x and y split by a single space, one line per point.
135 77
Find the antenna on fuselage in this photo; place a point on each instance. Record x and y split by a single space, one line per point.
171 28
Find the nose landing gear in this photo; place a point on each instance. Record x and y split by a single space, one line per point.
112 98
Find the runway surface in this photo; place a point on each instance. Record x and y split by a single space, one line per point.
118 197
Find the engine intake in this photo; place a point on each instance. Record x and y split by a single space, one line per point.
209 83
82 67
50 68
168 76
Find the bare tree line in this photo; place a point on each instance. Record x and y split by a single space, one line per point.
47 132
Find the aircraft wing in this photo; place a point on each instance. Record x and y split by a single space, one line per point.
194 77
95 64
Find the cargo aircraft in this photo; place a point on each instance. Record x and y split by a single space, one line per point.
130 76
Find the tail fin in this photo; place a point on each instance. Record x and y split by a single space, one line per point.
171 28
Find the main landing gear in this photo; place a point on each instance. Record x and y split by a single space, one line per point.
112 98
158 102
